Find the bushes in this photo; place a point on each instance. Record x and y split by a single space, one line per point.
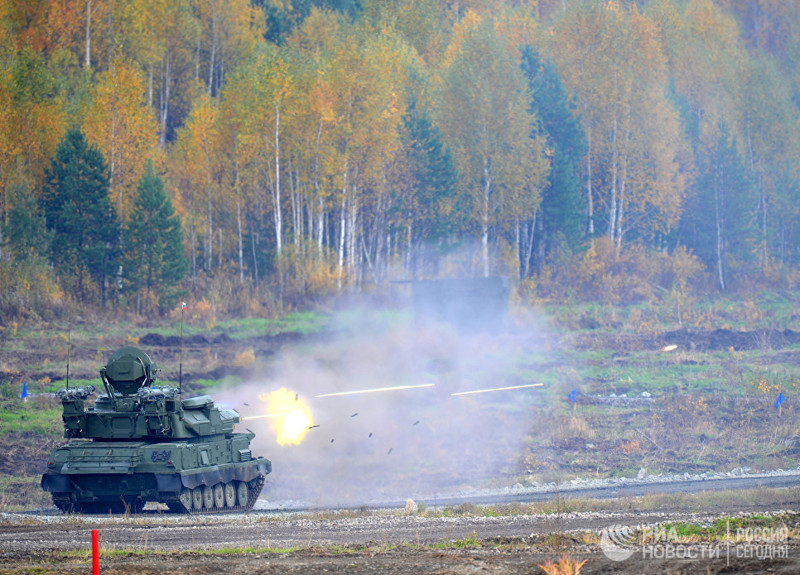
27 289
635 276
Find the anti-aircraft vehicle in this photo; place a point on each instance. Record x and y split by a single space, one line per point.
141 443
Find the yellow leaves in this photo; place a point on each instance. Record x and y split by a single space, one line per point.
764 386
517 27
245 358
392 108
631 447
121 125
322 100
461 30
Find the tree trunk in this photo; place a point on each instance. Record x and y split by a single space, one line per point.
194 240
612 210
318 193
320 223
411 268
150 87
277 215
718 220
487 186
212 57
164 102
297 210
239 225
589 191
353 254
255 259
518 249
529 248
210 214
342 223
88 60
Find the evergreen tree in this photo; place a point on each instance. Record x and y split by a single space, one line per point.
284 17
79 214
718 223
561 211
25 231
154 259
430 204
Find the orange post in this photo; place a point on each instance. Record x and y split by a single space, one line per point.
95 552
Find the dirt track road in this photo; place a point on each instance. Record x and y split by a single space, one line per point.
355 542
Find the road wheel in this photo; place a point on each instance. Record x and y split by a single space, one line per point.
186 498
208 497
219 496
230 496
64 502
197 498
242 493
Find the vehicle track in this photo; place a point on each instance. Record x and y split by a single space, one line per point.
45 530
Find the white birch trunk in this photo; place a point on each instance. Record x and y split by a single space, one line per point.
277 185
88 60
487 187
194 239
165 90
239 225
212 57
612 210
589 190
342 224
718 211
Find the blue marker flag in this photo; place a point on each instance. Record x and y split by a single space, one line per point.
780 400
573 395
24 390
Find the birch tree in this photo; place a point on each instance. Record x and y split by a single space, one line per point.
485 116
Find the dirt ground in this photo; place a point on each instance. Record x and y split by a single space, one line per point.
403 560
386 543
367 543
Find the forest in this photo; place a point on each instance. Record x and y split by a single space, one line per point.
263 155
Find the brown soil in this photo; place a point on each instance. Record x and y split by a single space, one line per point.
366 544
403 560
565 443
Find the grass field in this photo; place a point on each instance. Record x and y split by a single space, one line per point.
709 407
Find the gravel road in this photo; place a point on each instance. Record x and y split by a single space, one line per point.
389 540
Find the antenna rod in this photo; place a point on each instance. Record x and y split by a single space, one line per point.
69 340
180 360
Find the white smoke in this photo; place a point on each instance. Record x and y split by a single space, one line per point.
395 444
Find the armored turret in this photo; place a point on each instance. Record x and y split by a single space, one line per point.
140 443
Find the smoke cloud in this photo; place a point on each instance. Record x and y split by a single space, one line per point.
415 442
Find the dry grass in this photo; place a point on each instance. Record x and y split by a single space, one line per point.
566 565
572 426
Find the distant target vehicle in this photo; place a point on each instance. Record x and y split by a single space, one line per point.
141 443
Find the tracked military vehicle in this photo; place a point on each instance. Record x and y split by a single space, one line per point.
141 443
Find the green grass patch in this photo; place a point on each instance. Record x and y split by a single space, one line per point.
467 542
212 385
251 550
25 417
306 322
299 322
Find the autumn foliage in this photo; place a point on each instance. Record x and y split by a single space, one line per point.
590 151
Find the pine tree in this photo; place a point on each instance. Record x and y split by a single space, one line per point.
25 231
430 204
562 211
79 214
154 260
718 223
